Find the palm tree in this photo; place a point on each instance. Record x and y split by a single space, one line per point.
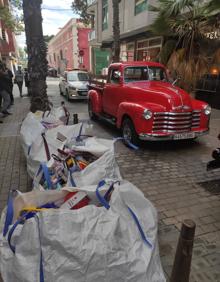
116 31
37 52
189 22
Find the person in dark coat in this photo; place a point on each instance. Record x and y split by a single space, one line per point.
26 80
10 76
19 78
4 91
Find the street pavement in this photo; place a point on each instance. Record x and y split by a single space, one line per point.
171 174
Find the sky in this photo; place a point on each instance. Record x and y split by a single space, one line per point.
55 13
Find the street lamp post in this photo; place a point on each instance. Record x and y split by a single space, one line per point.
37 51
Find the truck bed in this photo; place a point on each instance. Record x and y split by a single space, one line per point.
97 83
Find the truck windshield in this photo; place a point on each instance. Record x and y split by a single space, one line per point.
78 76
132 74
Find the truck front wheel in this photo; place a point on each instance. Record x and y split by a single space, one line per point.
129 132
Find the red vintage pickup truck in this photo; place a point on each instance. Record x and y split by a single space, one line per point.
139 99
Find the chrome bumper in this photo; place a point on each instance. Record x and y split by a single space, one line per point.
159 137
78 97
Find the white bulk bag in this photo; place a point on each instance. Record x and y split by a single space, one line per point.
105 167
37 153
31 128
55 117
89 244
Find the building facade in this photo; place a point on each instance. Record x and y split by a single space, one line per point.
69 48
137 43
8 46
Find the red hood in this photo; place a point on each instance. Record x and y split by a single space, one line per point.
165 94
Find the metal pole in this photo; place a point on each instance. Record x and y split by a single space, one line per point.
75 119
183 257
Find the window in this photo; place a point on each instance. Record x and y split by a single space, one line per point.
140 6
104 14
135 74
148 49
157 73
78 76
130 52
3 34
54 57
132 74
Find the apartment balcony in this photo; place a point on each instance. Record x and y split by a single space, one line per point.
91 6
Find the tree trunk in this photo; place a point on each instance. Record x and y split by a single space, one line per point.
37 52
116 31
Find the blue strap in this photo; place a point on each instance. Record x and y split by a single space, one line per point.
9 214
147 242
128 143
71 171
29 150
46 175
41 255
101 199
72 180
108 192
107 206
10 233
20 220
80 133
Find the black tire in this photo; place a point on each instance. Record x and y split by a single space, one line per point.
67 95
61 93
92 115
128 131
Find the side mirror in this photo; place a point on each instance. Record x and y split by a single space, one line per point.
117 74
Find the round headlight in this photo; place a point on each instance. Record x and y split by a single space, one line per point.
207 110
147 114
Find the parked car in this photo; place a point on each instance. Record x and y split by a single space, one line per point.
139 99
74 84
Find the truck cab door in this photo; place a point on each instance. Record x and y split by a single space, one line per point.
112 92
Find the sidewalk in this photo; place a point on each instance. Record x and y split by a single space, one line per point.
171 179
13 173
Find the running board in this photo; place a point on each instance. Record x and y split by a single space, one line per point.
112 121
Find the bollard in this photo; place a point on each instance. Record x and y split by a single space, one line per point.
75 118
182 261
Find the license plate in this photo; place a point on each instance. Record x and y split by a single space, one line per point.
187 135
83 93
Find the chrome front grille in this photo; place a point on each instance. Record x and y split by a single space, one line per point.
82 92
176 122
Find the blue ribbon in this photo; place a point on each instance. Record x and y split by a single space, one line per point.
46 175
101 199
71 170
107 206
128 143
147 242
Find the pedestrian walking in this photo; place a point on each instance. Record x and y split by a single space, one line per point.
26 79
4 91
19 78
10 76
